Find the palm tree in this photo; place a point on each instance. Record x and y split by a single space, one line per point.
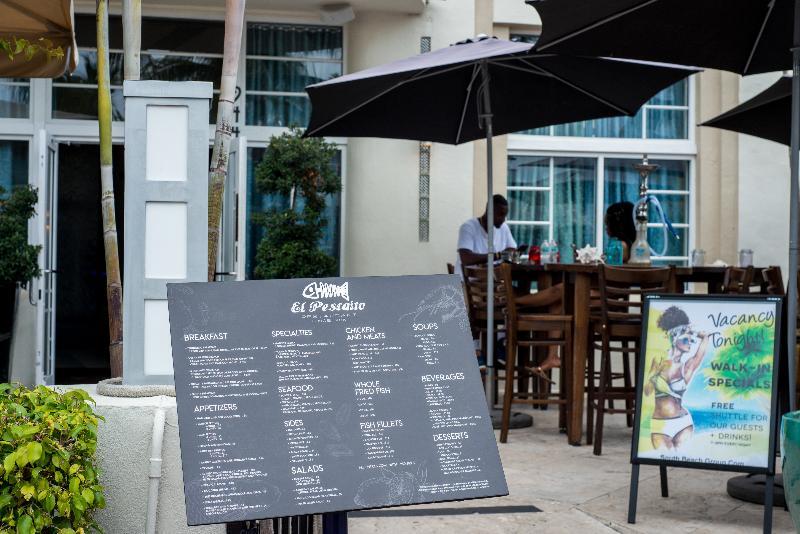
234 19
113 283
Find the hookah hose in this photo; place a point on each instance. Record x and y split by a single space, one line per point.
666 223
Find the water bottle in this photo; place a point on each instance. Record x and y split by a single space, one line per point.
614 252
545 252
555 251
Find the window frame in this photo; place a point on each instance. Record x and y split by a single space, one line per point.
53 84
600 157
12 82
642 144
244 57
259 136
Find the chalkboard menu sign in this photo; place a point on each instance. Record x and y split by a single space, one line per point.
311 396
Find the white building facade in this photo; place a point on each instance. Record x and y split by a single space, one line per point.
402 201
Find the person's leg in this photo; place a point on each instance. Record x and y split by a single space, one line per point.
549 298
544 298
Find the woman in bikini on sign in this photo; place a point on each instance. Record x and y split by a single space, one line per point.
671 424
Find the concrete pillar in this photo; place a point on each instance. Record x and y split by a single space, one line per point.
166 214
717 188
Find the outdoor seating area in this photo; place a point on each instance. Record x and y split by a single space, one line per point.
613 323
312 267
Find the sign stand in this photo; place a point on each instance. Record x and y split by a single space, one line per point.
634 492
733 354
768 491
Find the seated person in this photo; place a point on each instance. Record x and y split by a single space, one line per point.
619 224
473 241
473 237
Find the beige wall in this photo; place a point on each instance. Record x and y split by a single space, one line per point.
382 183
717 189
516 13
381 221
763 189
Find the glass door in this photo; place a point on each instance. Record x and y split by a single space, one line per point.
48 191
230 256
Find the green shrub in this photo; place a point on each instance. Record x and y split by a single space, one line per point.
48 480
18 260
298 168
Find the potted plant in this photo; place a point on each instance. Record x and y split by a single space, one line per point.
294 167
48 478
18 259
790 458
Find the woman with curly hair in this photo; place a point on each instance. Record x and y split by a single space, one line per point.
671 424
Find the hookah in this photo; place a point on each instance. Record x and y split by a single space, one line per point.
641 249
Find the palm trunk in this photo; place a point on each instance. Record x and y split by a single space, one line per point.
234 18
113 284
132 37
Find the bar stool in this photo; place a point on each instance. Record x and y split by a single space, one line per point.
738 280
475 288
542 330
622 291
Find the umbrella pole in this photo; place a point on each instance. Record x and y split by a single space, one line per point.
791 291
486 117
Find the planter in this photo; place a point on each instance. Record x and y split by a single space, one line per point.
790 454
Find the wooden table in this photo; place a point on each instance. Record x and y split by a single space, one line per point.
578 280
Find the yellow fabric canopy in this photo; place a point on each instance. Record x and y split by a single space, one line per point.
32 20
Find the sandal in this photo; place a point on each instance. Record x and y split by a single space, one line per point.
547 364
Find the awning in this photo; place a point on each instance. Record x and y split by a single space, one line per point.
48 19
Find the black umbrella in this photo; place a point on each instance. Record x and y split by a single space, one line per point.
742 36
766 115
439 96
476 89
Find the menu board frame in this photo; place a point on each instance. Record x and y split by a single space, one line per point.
714 301
420 297
778 390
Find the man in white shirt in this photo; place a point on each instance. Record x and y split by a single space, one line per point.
473 239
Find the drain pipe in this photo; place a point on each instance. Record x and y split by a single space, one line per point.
159 422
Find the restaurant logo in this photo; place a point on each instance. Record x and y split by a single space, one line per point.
323 290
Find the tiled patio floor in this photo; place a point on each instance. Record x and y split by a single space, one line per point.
578 492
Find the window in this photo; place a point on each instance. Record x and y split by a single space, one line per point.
13 164
172 49
670 185
75 94
15 96
261 203
665 116
556 197
282 60
552 198
525 37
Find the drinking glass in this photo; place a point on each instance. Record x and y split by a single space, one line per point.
698 257
745 257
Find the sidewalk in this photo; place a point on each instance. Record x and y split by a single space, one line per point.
576 491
